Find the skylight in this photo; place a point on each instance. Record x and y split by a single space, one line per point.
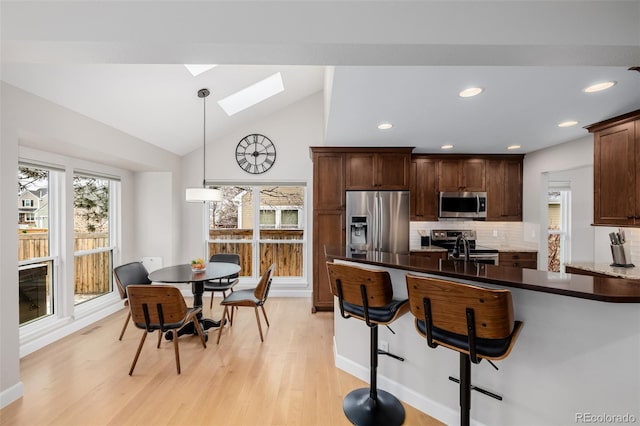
252 95
197 69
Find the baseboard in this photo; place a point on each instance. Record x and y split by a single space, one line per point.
418 401
10 395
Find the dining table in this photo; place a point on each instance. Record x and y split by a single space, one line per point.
185 274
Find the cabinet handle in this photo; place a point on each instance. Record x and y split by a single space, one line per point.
632 217
516 263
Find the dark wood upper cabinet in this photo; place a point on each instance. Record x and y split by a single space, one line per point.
328 178
380 170
423 203
616 170
461 175
504 189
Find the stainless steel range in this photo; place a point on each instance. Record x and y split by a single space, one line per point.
447 239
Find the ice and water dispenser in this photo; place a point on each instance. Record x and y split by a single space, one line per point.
358 239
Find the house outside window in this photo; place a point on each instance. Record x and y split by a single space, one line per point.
264 224
27 203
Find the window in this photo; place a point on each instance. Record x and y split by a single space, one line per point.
36 259
93 249
264 225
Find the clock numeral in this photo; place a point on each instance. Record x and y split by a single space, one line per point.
240 155
255 138
243 162
268 162
271 154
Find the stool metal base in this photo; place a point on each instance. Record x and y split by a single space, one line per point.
361 410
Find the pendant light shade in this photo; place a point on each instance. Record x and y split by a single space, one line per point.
203 194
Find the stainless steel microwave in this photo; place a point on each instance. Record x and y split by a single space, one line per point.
462 205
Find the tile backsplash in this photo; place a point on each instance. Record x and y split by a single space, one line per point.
491 234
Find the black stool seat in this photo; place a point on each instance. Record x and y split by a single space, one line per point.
381 315
367 295
485 348
477 322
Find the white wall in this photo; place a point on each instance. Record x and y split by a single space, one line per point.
293 130
537 165
40 130
581 233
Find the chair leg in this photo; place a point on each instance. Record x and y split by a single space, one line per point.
224 315
175 347
135 359
259 326
211 303
465 389
159 338
265 315
126 323
196 325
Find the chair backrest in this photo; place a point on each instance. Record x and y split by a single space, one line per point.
492 308
156 306
130 273
261 291
349 279
228 258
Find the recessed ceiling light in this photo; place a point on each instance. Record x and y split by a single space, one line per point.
568 123
472 91
385 126
252 95
599 86
514 147
448 146
197 69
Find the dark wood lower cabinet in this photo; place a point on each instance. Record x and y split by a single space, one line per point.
519 259
328 229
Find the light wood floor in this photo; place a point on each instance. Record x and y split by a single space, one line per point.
290 379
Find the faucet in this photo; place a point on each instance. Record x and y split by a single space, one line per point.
456 249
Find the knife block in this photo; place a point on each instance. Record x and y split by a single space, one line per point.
621 256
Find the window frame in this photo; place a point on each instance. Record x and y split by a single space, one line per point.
256 241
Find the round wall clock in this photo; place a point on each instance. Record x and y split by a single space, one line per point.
255 154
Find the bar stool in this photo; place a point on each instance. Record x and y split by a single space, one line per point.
477 322
368 296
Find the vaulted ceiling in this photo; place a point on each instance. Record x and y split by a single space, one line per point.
377 61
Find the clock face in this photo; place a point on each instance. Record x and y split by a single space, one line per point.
255 154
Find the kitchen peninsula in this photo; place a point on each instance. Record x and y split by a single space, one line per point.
576 355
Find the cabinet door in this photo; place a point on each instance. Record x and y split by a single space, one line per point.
449 172
328 229
462 175
328 181
472 178
512 190
614 175
504 190
361 171
392 171
424 189
637 172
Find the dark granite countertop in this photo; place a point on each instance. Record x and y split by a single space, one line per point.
618 290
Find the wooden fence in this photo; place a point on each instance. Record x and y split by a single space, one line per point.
286 256
92 272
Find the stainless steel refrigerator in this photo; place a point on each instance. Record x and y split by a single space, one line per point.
378 221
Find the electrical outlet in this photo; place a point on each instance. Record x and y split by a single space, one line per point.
495 233
383 346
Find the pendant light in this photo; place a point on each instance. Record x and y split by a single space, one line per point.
204 193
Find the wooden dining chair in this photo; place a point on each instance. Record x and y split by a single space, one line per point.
251 298
129 273
161 308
